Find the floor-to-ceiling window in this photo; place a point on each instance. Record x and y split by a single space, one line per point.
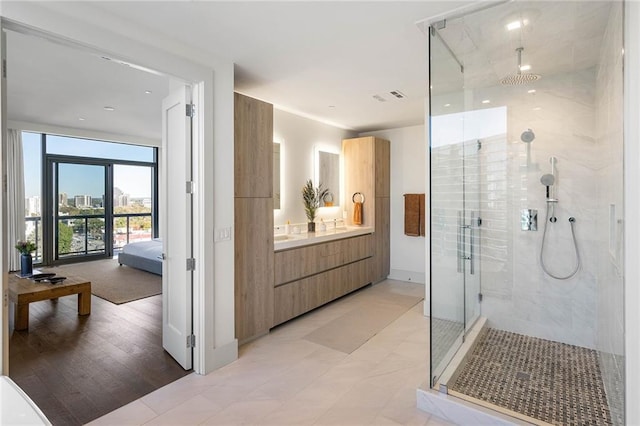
87 198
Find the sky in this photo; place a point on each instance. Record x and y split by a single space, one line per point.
78 179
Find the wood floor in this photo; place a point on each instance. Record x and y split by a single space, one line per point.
78 368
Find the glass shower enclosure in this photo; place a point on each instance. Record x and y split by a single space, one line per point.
455 210
527 207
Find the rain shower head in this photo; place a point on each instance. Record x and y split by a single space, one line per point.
527 136
520 77
547 180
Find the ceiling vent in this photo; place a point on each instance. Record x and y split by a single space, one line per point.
379 98
398 94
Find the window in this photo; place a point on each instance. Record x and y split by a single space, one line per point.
95 196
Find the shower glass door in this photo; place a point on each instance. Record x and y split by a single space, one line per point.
455 206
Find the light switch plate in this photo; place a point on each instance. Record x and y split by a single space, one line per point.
223 234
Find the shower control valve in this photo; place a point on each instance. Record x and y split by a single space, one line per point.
529 220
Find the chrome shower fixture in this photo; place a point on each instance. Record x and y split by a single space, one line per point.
520 77
527 136
547 180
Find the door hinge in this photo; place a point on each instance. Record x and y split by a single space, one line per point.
4 68
191 264
479 297
191 341
479 144
190 187
191 110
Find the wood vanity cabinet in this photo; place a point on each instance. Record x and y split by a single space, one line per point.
367 170
253 217
309 276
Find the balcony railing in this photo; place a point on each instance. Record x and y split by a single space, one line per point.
33 232
137 227
87 234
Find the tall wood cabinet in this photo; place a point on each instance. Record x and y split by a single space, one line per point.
367 170
253 152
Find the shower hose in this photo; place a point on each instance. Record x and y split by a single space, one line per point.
572 221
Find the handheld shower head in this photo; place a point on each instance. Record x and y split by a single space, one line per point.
527 136
547 180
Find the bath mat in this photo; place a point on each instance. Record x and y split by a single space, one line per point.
353 329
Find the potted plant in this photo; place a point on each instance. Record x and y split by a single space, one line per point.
26 261
311 198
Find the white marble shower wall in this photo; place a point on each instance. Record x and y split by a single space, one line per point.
518 295
609 133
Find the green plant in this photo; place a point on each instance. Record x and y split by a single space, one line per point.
311 198
26 247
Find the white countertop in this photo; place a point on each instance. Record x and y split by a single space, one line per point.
16 408
287 241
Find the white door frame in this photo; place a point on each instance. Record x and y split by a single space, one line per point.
199 355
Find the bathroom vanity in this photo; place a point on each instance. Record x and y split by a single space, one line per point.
314 269
278 277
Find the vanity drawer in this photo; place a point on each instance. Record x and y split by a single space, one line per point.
301 262
298 297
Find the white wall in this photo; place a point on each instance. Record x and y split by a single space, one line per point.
408 154
299 137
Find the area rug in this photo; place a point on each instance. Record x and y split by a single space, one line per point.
112 282
353 329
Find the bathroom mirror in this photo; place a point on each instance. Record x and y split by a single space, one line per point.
276 176
329 176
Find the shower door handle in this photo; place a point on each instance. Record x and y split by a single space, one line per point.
473 223
460 243
472 241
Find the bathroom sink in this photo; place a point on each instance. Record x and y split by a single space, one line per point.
282 237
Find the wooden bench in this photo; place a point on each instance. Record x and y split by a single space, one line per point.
23 291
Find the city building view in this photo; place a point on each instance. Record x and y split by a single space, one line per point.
81 214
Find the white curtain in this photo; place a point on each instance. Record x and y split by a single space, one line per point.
15 195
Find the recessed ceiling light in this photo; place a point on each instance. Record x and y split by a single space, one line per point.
537 109
148 92
81 118
486 101
525 67
514 25
332 106
532 91
108 108
447 105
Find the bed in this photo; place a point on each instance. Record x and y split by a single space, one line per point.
145 255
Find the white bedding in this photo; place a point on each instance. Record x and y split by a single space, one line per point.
147 249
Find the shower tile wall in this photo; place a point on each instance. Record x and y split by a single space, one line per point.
518 295
609 115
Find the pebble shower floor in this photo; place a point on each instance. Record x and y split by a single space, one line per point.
549 381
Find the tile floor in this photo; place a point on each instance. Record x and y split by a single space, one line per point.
550 381
283 378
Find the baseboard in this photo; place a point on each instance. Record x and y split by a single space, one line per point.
219 357
410 276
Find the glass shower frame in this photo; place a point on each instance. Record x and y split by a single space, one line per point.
579 101
455 212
